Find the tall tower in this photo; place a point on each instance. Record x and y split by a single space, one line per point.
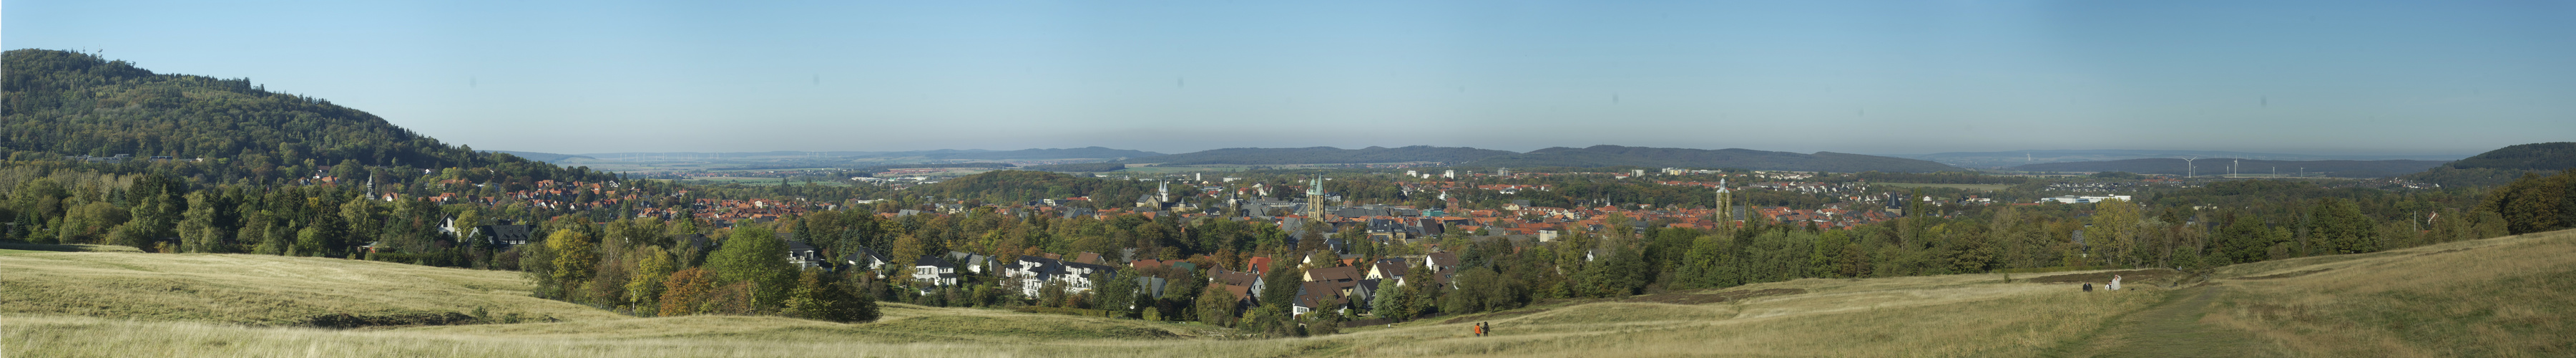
1725 203
1315 198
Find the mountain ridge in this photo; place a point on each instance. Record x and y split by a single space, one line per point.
1739 158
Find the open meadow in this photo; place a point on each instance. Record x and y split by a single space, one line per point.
2495 297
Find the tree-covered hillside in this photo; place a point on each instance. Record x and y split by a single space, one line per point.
1612 155
2503 165
65 103
1324 155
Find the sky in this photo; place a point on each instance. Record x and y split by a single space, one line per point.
1878 77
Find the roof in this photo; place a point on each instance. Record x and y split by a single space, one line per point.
1334 274
932 260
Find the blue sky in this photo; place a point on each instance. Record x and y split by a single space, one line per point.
2318 77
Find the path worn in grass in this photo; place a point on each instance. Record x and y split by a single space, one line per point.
2169 329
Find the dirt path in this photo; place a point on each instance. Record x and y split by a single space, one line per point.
2169 329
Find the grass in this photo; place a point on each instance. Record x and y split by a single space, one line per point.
2496 297
14 247
257 289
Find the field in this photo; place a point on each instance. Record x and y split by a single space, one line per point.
2494 297
1985 187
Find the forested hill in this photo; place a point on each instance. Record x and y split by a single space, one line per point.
1050 153
2215 166
1324 155
544 157
2503 165
1007 186
66 103
1612 155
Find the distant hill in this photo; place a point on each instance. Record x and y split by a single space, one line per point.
2026 157
1612 155
2500 166
1048 153
1324 155
940 154
2215 166
543 157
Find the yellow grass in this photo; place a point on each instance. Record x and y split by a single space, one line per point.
2449 300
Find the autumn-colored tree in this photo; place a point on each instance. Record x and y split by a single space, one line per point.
686 291
652 268
573 258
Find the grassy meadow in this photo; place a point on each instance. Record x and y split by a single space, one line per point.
2494 297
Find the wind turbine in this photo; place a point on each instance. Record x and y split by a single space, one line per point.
2186 166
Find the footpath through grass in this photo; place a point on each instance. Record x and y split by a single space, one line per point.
2172 328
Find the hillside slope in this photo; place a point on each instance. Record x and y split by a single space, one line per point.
2494 297
66 103
2503 165
1612 155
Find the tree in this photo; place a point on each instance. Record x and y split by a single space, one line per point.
817 298
198 231
907 250
2342 229
652 268
2116 227
574 256
1216 306
1279 286
2534 203
754 255
686 292
1389 303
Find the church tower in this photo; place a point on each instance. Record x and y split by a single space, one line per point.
1315 198
1725 203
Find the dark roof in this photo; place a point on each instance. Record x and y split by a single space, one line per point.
932 260
509 234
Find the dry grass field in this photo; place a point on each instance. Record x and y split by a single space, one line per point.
2495 297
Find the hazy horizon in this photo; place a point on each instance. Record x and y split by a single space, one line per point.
2460 155
2316 78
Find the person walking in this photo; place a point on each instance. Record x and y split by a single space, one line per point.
1478 329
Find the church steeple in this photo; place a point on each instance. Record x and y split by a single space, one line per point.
1315 198
1725 203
